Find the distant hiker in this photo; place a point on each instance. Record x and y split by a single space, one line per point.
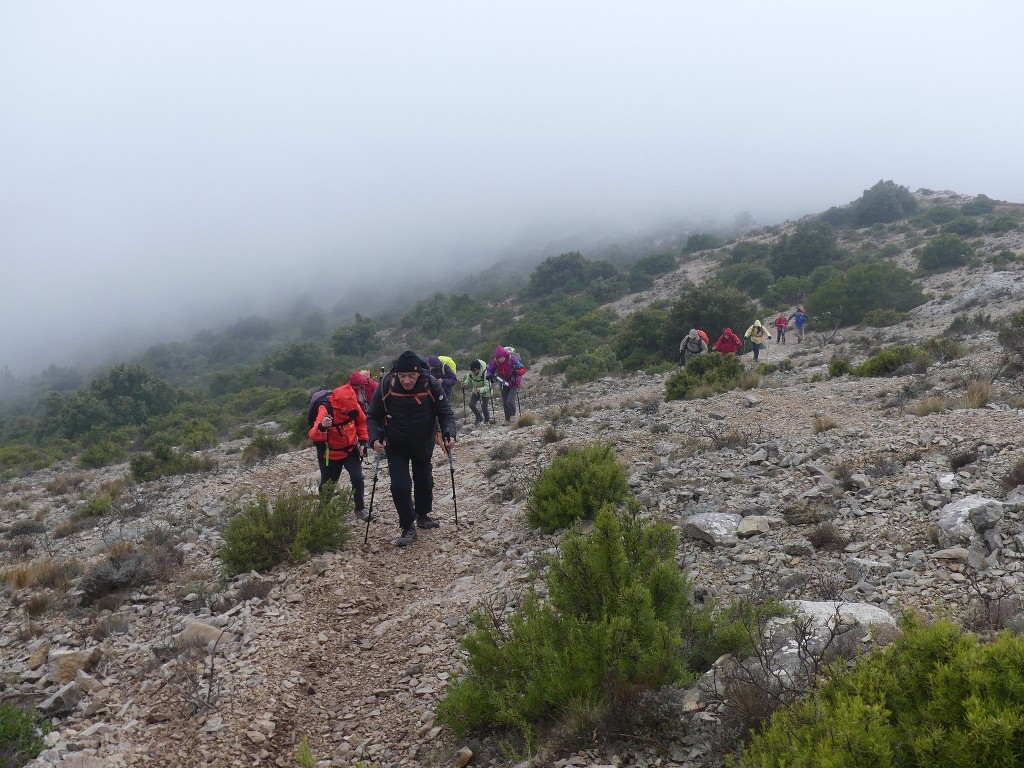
758 335
444 373
799 319
401 422
691 346
781 323
340 436
507 369
728 343
480 388
364 386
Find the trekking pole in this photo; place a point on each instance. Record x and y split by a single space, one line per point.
455 502
373 491
519 406
465 416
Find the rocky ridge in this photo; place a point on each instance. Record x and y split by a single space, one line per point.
354 649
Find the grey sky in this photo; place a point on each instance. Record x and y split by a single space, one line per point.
163 160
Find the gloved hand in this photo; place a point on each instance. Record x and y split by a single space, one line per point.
519 381
363 447
327 422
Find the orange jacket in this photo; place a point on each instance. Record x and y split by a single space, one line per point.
349 422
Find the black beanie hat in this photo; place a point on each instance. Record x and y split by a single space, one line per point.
407 362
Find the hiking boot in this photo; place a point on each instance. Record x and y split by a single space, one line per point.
408 537
426 521
361 515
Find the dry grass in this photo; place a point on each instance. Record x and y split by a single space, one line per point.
978 393
65 483
525 420
552 435
823 424
931 404
45 572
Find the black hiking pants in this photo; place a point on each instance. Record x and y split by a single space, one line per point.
413 493
331 472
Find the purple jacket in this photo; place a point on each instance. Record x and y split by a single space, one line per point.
511 369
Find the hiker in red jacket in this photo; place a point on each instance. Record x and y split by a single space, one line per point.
781 323
728 343
340 436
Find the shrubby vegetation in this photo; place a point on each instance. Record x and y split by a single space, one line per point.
575 486
21 735
711 373
945 252
264 534
935 698
885 202
866 286
618 619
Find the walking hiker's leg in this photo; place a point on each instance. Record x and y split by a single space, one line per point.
510 402
485 404
401 486
423 482
354 466
329 473
474 406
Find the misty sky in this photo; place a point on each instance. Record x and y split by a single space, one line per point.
161 162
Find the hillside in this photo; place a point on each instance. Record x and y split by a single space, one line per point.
354 649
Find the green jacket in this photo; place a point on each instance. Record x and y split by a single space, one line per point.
477 384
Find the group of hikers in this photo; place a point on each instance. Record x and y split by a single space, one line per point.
696 342
401 417
409 410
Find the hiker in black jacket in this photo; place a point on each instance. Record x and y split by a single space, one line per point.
402 417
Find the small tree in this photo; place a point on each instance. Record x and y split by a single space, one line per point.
945 252
575 486
886 201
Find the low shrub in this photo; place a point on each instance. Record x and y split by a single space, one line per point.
129 567
943 350
262 535
711 373
101 454
883 318
164 460
839 366
97 506
935 697
263 446
618 620
21 735
978 393
575 486
894 359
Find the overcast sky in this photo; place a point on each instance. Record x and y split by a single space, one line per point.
160 161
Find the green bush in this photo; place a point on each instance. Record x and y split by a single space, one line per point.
101 454
890 360
17 459
262 446
716 372
935 698
262 535
883 203
838 366
97 506
590 366
1011 337
639 339
575 486
883 318
865 286
164 460
21 735
963 226
942 349
701 241
979 206
618 620
945 252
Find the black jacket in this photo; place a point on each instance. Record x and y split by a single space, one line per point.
407 418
